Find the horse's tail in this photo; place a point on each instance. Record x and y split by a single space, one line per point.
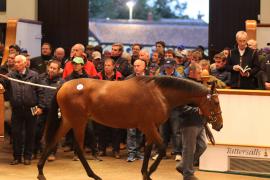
209 134
53 121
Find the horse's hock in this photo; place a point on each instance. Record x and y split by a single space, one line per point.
2 109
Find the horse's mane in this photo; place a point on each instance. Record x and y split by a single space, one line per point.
176 83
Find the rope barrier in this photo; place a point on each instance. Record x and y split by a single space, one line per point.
28 83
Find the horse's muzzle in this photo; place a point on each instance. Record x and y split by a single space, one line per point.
219 128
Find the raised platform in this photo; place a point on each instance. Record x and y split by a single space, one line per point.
243 145
238 159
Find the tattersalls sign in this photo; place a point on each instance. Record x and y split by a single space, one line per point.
249 152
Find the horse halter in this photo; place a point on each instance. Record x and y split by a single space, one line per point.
213 115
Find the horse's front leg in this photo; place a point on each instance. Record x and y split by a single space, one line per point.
49 148
78 147
147 154
47 151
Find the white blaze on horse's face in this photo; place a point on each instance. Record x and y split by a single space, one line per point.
79 87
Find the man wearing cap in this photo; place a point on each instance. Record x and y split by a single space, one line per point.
169 68
181 62
97 60
180 48
78 51
171 128
79 72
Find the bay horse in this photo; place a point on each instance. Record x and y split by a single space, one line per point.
140 102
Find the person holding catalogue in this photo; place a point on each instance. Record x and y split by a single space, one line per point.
26 102
243 57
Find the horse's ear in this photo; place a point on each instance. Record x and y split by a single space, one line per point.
213 87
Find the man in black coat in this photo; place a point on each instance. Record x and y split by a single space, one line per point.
26 102
240 58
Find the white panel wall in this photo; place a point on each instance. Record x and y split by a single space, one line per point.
263 36
265 11
246 120
24 9
28 36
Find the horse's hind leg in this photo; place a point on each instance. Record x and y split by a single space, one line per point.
48 150
161 154
155 137
147 154
152 136
79 137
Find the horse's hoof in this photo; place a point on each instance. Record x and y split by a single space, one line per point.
41 177
97 178
146 177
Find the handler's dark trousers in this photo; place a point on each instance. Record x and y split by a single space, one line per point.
194 144
23 132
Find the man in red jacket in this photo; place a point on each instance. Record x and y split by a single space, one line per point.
78 51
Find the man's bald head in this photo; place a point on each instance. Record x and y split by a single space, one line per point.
139 67
59 53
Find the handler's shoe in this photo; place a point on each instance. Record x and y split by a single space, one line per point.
51 158
178 157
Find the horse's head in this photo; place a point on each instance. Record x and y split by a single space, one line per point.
211 109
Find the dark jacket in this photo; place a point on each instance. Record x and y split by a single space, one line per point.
123 66
223 75
117 76
75 75
23 95
4 69
49 93
190 116
39 64
250 59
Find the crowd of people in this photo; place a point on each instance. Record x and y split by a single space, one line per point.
243 67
